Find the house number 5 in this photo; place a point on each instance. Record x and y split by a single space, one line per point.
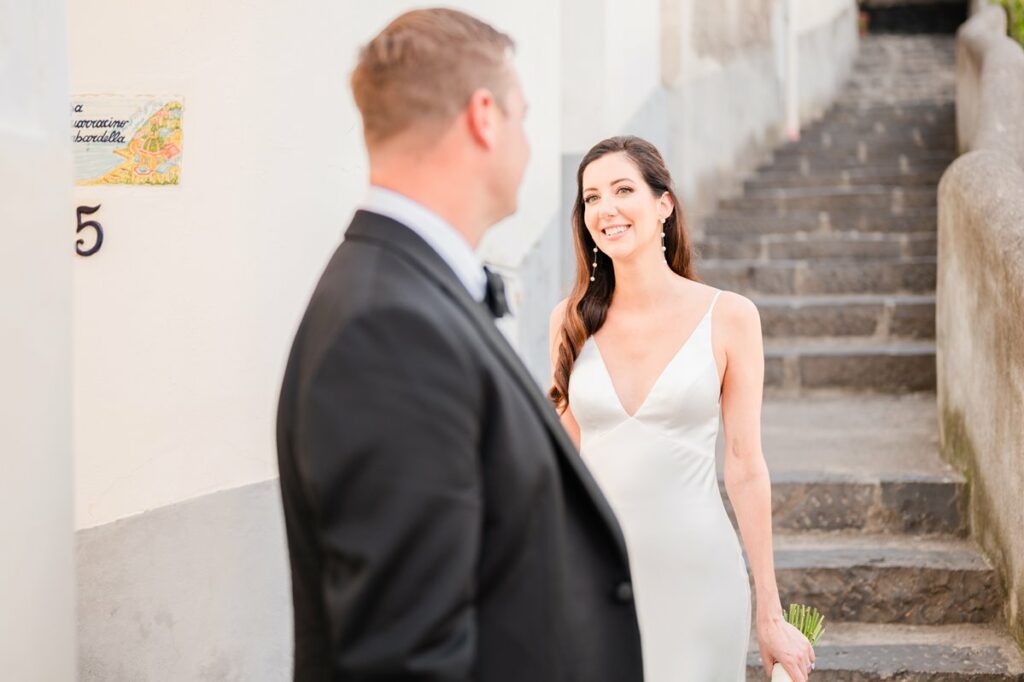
88 210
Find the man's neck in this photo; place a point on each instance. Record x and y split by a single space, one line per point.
452 208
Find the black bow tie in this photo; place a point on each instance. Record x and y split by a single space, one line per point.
494 295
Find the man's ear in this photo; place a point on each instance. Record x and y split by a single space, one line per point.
481 116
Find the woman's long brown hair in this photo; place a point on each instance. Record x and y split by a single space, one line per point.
588 302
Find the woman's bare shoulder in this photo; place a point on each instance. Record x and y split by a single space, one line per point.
558 312
557 316
730 306
736 311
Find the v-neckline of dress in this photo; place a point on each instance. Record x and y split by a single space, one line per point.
657 380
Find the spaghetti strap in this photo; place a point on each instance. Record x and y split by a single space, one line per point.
714 300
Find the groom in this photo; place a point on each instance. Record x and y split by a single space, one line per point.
440 524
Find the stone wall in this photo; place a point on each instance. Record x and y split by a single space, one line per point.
980 296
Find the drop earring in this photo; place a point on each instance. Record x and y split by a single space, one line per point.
663 247
594 265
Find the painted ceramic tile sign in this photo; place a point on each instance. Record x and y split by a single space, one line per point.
126 140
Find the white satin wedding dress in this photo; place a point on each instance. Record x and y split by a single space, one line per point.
657 469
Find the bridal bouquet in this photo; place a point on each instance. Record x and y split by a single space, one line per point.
810 623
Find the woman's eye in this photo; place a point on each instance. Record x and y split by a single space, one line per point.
626 189
589 200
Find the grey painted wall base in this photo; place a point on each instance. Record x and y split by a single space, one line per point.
538 283
197 591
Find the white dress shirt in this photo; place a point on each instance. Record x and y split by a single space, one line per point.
438 233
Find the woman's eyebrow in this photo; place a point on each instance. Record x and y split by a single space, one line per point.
614 182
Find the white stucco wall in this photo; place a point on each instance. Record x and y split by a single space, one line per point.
37 634
610 63
184 318
812 14
735 19
724 67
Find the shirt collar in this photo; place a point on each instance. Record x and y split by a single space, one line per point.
436 231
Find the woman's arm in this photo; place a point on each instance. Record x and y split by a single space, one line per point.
747 482
555 337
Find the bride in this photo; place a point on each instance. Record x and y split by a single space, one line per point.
645 358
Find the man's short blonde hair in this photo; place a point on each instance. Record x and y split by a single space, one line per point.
423 68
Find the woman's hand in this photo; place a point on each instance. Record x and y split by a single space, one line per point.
781 642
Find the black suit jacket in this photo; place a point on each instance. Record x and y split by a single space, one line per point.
441 525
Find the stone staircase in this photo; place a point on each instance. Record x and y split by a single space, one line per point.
835 241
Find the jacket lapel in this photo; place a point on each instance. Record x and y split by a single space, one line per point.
388 233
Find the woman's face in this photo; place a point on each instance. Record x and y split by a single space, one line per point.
621 213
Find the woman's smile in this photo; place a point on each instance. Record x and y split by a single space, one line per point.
613 232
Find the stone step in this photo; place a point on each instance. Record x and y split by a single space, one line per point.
922 67
872 145
910 503
883 87
916 73
873 56
819 276
858 462
863 436
911 71
919 75
866 652
905 503
863 115
887 175
878 127
923 96
856 122
800 366
880 317
897 49
824 160
941 123
875 578
894 199
748 222
914 60
826 132
910 110
818 245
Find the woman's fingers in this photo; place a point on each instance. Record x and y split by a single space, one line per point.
797 672
799 667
